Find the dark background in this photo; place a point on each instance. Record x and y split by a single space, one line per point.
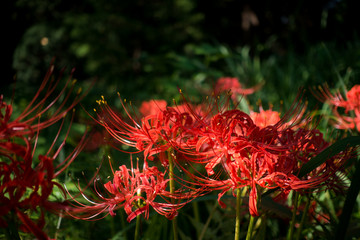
127 44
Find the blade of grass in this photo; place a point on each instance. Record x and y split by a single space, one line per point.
329 152
350 201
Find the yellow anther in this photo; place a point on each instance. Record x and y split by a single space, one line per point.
79 90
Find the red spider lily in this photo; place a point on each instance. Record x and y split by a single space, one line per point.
225 84
261 157
352 101
347 122
25 184
265 118
135 191
25 187
294 118
29 119
152 107
351 105
153 134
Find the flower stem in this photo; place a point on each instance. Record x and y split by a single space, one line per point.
137 228
250 228
11 232
298 234
292 225
237 221
195 207
172 190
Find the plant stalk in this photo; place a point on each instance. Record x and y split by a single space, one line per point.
237 221
172 190
11 232
292 225
250 228
137 228
303 217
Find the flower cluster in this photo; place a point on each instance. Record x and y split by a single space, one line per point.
216 148
258 157
183 151
27 182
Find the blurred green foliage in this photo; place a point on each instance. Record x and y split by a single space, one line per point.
146 49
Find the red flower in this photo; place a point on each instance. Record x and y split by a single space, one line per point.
26 184
152 107
153 134
133 190
30 119
265 118
26 187
350 119
260 157
225 84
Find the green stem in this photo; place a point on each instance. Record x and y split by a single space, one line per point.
123 223
172 190
112 227
11 232
250 228
196 214
137 228
292 225
303 217
237 221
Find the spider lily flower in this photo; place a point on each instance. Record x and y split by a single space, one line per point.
238 151
152 107
153 134
347 122
225 84
265 118
350 118
26 182
351 102
31 117
131 189
245 152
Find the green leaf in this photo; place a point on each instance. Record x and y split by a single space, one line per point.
350 201
329 152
